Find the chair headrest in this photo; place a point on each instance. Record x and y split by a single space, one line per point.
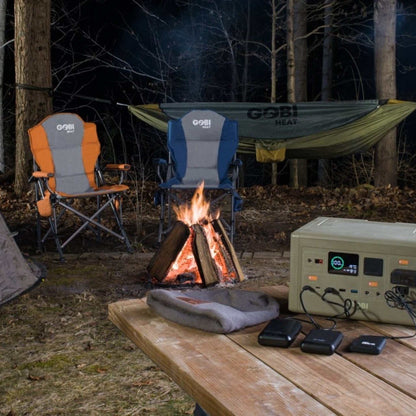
63 126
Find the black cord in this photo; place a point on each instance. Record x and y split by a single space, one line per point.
317 326
310 289
395 299
346 305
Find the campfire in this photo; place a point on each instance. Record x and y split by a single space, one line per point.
197 251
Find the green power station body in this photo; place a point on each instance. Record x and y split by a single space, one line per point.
361 260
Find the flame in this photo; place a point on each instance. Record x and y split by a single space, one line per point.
185 263
198 212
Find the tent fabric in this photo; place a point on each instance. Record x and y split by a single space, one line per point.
16 274
313 130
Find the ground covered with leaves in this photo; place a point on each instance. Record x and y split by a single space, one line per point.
60 355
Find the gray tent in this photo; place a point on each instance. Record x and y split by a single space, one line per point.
16 274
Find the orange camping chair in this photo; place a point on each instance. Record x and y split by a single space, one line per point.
65 152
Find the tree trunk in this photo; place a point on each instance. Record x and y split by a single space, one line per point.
2 38
385 167
300 51
246 54
33 78
327 53
301 72
273 73
290 59
297 166
273 77
326 80
290 65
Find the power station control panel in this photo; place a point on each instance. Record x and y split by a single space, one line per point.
353 261
343 263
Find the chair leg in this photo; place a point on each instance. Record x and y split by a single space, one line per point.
99 218
38 227
38 233
232 225
161 217
53 223
91 221
169 220
119 219
53 230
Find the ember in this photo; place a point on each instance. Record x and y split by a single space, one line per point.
197 250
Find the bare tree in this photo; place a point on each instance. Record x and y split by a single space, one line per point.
2 44
273 53
273 75
33 77
290 54
244 79
326 78
385 168
291 81
300 72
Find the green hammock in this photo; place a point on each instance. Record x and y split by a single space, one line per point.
313 130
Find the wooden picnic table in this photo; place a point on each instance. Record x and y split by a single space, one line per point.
233 375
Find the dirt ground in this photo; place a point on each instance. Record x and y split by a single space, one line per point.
60 355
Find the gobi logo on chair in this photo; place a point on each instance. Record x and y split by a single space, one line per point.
69 128
205 124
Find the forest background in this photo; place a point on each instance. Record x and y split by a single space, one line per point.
93 57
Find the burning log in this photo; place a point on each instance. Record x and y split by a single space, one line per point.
187 256
196 251
219 228
205 263
168 251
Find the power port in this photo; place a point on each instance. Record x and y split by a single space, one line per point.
402 290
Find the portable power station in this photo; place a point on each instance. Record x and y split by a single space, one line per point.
353 263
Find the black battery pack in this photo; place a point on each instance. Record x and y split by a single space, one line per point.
279 332
368 344
321 341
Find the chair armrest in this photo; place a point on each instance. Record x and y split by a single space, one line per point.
160 162
43 190
113 166
161 168
38 174
237 162
120 168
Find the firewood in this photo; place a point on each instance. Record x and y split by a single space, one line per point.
219 228
168 251
203 257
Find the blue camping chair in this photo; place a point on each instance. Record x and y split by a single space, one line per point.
202 147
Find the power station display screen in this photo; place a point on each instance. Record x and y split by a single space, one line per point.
343 263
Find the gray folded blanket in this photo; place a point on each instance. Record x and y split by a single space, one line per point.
220 310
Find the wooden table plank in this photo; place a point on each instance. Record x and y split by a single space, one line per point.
336 382
394 331
234 375
222 377
395 365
